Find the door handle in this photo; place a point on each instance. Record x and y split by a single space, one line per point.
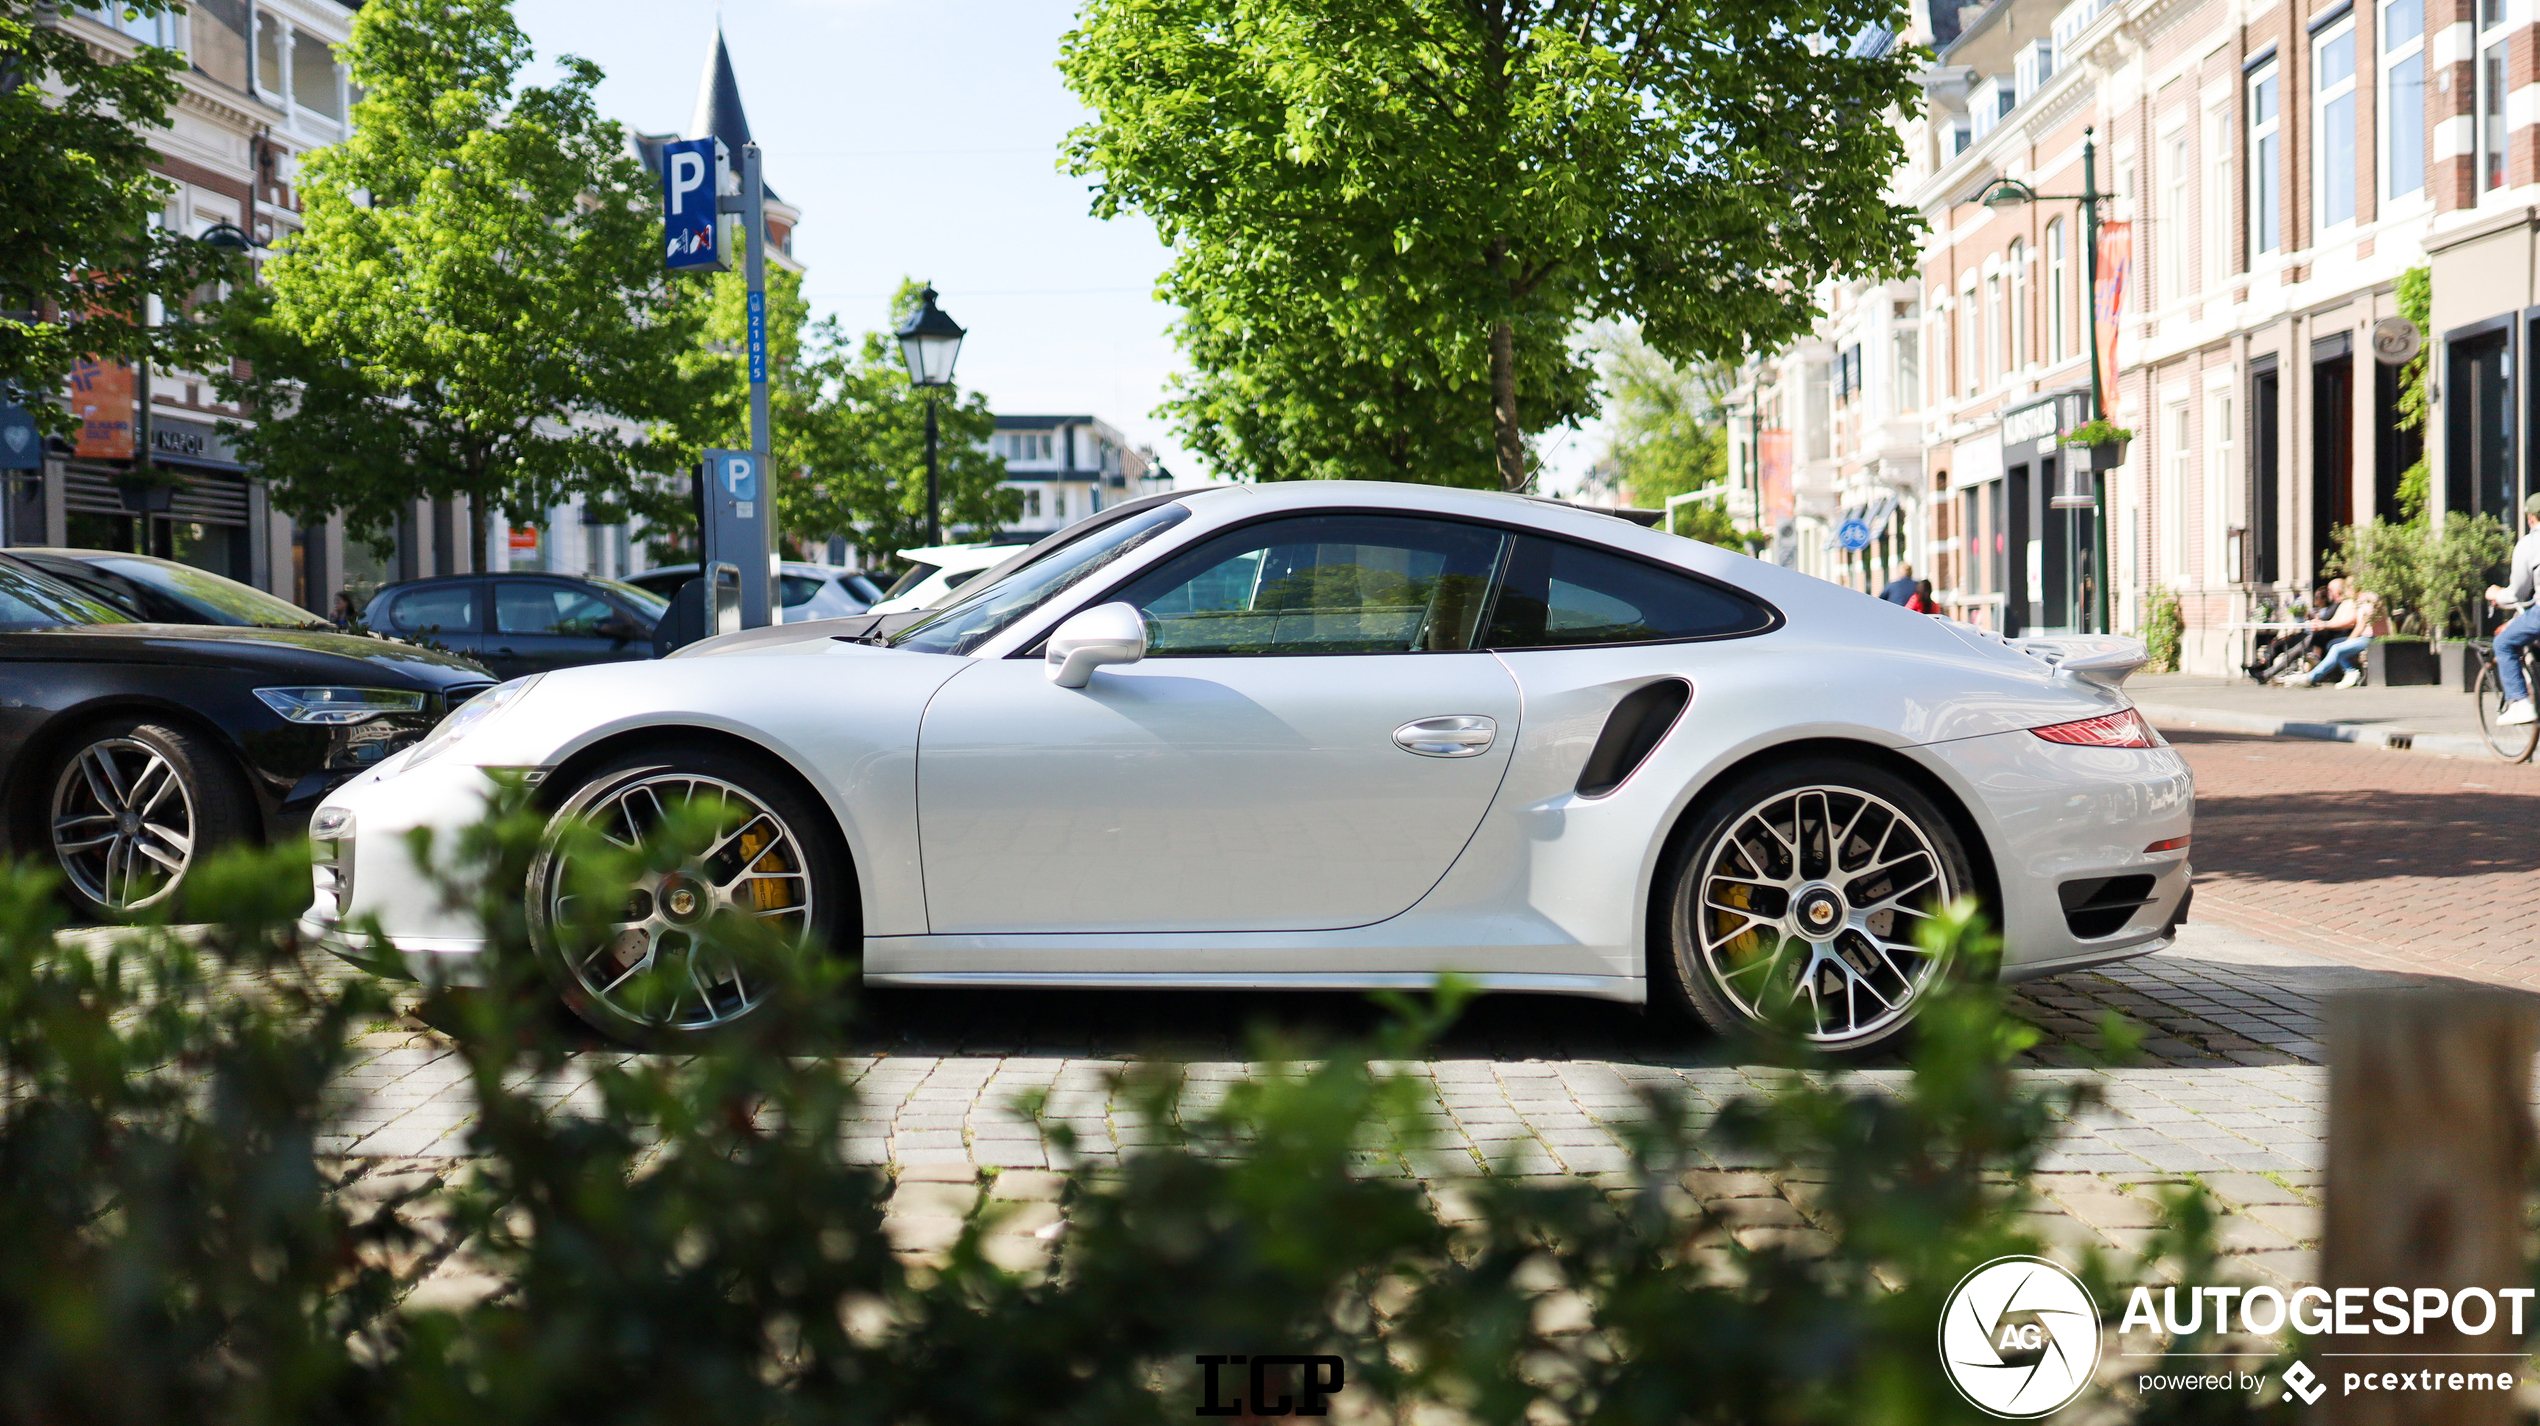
1458 735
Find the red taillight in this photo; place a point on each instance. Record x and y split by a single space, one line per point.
2174 844
2108 730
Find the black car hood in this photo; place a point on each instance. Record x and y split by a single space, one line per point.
299 653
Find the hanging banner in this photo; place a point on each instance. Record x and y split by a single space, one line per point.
2116 261
1772 462
101 397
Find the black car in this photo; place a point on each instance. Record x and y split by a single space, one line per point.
161 591
128 749
519 624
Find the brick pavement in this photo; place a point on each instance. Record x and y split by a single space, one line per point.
2407 861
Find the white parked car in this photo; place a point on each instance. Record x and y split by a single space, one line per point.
936 570
1337 735
804 590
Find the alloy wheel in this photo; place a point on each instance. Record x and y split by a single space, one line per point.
123 824
1811 903
753 868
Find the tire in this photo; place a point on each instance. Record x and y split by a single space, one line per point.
1759 939
2512 743
131 806
797 882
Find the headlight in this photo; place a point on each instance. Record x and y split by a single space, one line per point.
468 715
338 705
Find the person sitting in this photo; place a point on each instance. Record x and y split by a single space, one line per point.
2286 654
2345 657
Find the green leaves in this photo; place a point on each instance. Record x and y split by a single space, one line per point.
1361 195
475 305
79 257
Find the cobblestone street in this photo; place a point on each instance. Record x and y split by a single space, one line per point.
2321 867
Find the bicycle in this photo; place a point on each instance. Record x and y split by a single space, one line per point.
2512 742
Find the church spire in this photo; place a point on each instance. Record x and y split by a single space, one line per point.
719 114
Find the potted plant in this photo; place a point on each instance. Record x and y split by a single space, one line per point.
149 490
2106 440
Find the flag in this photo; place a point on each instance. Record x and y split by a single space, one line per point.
2116 259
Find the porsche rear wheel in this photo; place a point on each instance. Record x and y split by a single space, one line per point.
1798 902
772 859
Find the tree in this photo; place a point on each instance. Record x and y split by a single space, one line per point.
1389 216
79 255
476 305
856 450
1671 437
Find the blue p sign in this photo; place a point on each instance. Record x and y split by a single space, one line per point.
691 193
740 477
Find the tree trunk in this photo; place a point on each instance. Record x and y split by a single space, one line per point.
1503 405
476 535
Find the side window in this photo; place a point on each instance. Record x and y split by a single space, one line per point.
522 607
796 589
1322 584
447 608
1559 595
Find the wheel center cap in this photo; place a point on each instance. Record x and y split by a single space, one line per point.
128 823
681 901
1818 910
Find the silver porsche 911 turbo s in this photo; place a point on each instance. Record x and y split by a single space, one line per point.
1330 735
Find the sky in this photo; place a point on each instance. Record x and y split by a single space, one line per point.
920 138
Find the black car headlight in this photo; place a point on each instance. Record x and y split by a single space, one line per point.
338 706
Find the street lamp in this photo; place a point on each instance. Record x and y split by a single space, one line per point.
930 342
228 238
2012 193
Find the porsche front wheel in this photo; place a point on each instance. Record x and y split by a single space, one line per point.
769 858
1798 901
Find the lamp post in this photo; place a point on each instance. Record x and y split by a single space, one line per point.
228 238
930 342
2012 193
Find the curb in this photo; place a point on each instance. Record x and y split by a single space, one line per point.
2395 739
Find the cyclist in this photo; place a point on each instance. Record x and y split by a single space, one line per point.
2524 629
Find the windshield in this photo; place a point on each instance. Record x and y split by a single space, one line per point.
862 588
915 576
980 614
652 606
30 601
208 597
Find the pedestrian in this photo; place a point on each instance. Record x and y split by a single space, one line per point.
346 615
1922 603
2337 622
1900 590
2524 628
2345 657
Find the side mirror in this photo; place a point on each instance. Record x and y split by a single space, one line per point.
1106 633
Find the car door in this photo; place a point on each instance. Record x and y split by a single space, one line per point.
1264 768
442 615
542 624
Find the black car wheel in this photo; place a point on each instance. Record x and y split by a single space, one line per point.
1798 900
775 861
133 806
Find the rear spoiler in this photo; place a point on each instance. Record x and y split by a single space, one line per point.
2104 660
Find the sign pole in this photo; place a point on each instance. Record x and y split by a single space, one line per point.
758 604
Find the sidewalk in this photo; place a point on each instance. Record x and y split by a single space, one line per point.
2430 720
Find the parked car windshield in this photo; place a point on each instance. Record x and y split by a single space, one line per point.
30 601
984 611
210 598
645 602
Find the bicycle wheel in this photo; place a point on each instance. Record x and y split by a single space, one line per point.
2514 743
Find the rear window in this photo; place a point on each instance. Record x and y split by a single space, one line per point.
1558 595
447 608
30 601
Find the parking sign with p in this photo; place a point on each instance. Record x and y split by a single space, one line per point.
692 184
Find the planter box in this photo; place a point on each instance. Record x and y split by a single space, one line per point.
2108 455
147 499
2399 663
2456 665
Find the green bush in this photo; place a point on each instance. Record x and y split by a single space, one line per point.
2164 629
689 1244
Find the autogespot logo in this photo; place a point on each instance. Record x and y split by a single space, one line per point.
2019 1337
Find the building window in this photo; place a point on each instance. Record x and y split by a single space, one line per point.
2019 344
1908 376
2266 139
2219 428
2492 81
1994 354
1970 325
273 73
2057 298
1032 503
2333 120
2173 221
2217 222
1023 445
2402 101
313 76
2173 496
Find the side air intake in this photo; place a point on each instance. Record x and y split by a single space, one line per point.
1632 731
